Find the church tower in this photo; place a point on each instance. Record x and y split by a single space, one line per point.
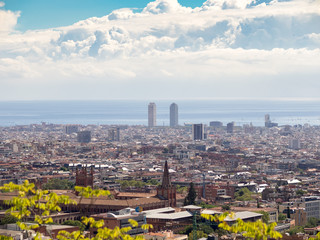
166 190
84 178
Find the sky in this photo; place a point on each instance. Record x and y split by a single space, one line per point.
162 49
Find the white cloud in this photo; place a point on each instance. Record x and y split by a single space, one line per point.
226 4
224 48
2 4
8 20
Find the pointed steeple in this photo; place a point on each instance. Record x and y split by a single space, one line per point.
166 178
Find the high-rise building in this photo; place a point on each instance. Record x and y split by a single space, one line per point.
71 129
216 124
152 115
174 122
268 123
295 144
230 127
114 134
84 137
197 131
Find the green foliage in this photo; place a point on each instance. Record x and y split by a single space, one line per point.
64 169
225 207
295 230
243 194
300 192
153 182
265 216
188 230
221 232
205 228
191 197
58 184
8 218
312 222
282 217
251 230
6 238
205 205
316 238
181 189
200 234
39 204
76 223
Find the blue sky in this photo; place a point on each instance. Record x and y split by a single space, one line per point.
40 14
96 50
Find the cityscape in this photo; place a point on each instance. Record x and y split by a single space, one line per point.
159 120
255 172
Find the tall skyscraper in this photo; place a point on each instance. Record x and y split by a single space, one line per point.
114 134
71 129
230 127
152 115
84 136
174 122
197 131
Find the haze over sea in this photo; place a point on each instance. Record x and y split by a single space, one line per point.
135 112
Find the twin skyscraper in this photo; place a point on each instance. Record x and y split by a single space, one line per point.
152 115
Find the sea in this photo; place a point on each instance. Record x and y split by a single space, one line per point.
135 112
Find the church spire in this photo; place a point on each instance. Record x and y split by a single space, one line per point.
166 178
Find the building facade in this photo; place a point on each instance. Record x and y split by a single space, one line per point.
84 136
84 178
197 131
114 134
152 115
174 118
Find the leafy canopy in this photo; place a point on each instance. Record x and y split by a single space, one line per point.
39 204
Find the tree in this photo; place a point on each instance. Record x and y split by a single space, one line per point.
265 216
76 223
39 204
181 189
295 230
300 192
58 184
205 228
243 194
205 205
312 222
154 182
225 207
191 197
251 230
200 234
8 218
281 217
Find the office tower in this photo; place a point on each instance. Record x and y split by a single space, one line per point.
216 124
84 136
197 131
230 127
152 115
294 144
114 134
174 115
71 129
